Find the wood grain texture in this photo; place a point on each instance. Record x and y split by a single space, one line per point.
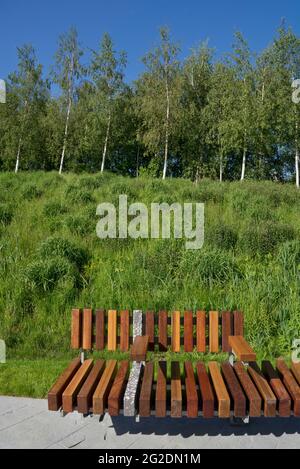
176 331
264 389
71 391
201 331
220 390
146 391
103 388
124 330
116 394
191 391
100 329
84 397
238 321
206 391
290 383
76 329
139 348
112 330
161 390
163 330
227 330
55 393
176 391
188 331
254 399
295 367
283 397
235 389
241 348
213 331
87 329
149 329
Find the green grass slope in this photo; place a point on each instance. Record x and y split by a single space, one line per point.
51 260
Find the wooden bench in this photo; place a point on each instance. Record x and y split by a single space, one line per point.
134 386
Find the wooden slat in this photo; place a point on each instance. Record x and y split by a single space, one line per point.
76 329
71 391
176 391
220 390
87 329
283 397
226 330
161 390
249 388
188 331
103 388
265 390
163 330
295 367
237 394
238 321
146 391
84 397
124 331
100 329
112 330
201 328
290 383
118 388
241 348
176 331
139 348
191 391
149 328
213 331
206 391
55 393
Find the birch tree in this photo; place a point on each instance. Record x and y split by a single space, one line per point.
66 72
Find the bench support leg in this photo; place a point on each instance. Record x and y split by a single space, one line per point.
82 356
239 421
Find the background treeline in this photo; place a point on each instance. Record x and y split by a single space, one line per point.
231 118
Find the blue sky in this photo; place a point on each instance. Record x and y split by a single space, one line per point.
134 25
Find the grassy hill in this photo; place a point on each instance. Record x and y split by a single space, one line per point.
51 260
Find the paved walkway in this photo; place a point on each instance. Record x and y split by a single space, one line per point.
26 423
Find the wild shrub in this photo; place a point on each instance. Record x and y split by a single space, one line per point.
80 225
6 214
263 238
221 235
64 248
54 208
75 194
31 191
45 274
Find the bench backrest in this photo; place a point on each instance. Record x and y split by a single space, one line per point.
207 331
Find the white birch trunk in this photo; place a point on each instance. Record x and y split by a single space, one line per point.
18 155
167 130
70 93
106 142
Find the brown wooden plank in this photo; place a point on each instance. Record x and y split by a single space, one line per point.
206 391
238 321
176 391
188 331
55 393
191 391
295 367
112 330
124 330
87 329
116 394
283 397
104 386
161 390
237 394
163 330
241 348
249 388
76 329
146 391
264 389
201 331
290 383
176 331
100 329
149 329
213 331
220 390
139 348
84 397
71 391
226 330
